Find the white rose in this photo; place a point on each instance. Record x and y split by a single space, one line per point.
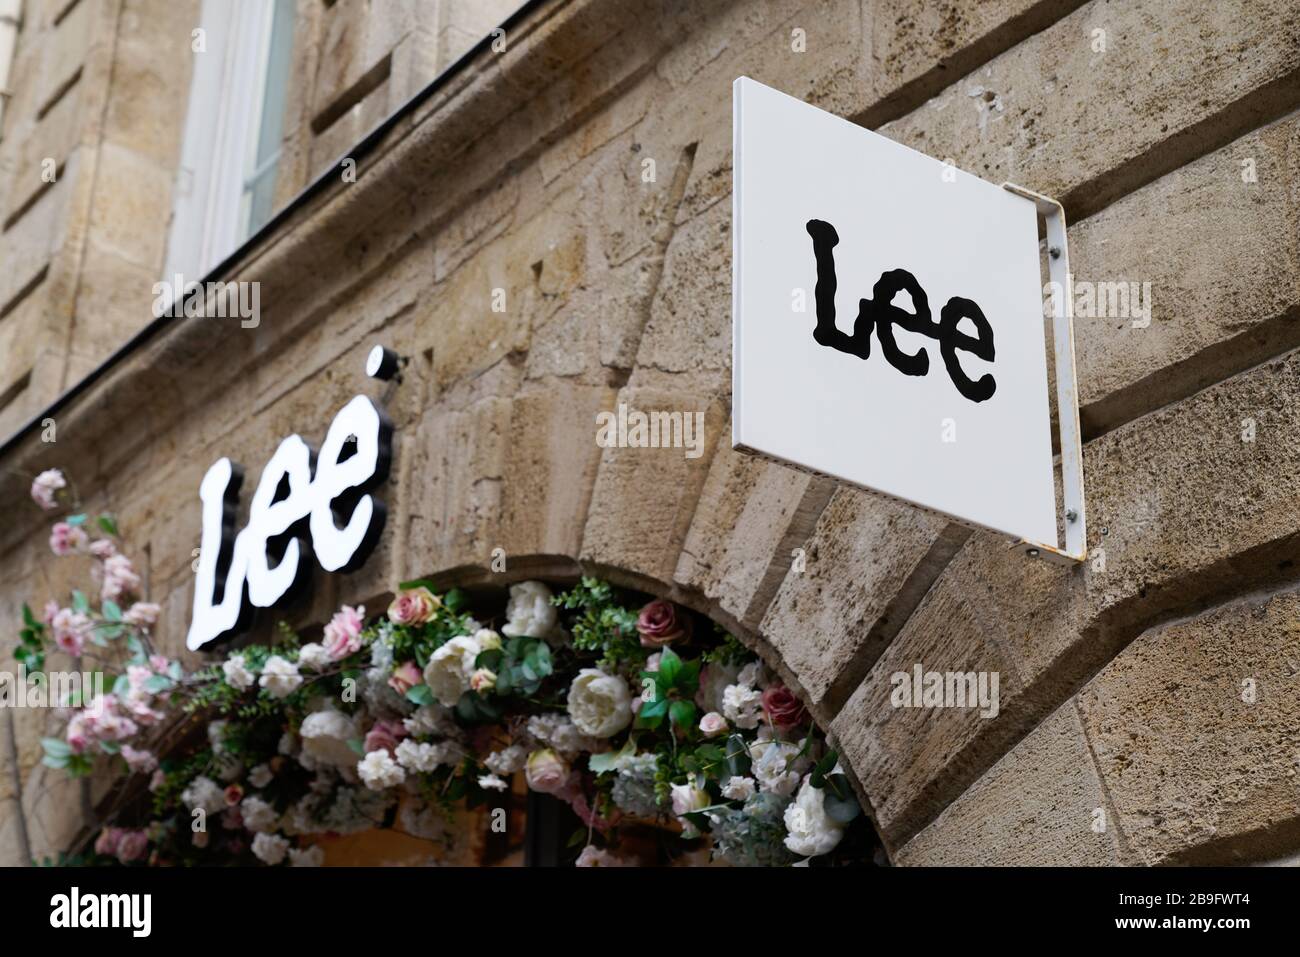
599 703
738 789
313 856
421 757
257 814
378 770
742 705
810 830
270 848
237 674
314 657
260 776
325 736
530 611
280 677
449 669
203 792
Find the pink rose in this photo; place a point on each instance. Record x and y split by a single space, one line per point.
106 843
132 846
660 624
413 607
783 709
546 771
45 485
343 633
405 677
713 724
384 736
66 539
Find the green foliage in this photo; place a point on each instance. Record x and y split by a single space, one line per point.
603 625
729 650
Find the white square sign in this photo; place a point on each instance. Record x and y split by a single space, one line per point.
887 319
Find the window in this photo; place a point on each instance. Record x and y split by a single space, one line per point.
226 184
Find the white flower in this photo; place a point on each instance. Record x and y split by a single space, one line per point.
205 793
753 674
449 669
270 848
237 674
421 757
314 657
287 745
530 611
738 789
431 719
378 771
742 705
506 761
325 736
687 798
260 776
280 677
313 856
810 830
778 766
599 704
714 679
593 856
257 814
488 640
492 782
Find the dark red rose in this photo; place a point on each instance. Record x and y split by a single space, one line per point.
660 624
782 708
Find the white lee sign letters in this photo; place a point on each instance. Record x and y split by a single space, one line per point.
295 498
887 319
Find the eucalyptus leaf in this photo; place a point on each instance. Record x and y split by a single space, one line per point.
420 695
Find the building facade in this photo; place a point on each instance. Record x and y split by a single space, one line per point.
531 205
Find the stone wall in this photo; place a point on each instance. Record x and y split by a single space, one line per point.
1123 734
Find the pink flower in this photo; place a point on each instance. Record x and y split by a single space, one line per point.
70 630
234 794
546 771
132 846
384 736
484 679
51 609
140 762
119 578
713 724
660 624
45 485
143 614
405 677
157 781
78 733
106 843
343 633
159 663
103 548
783 709
413 607
66 539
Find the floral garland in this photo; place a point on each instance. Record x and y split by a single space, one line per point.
630 716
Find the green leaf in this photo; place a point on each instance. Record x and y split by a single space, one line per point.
683 713
601 763
670 667
121 686
652 715
112 611
79 519
841 810
56 746
823 768
79 603
58 763
108 524
454 600
739 762
28 618
415 583
110 747
358 745
489 659
543 664
577 837
156 683
420 695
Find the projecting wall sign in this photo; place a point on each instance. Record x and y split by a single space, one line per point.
888 319
303 499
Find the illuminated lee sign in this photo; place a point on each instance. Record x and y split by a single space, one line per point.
300 495
887 319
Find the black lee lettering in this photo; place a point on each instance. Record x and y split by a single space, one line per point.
880 312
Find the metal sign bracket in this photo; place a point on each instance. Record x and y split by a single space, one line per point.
1067 392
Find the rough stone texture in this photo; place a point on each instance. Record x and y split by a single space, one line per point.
1182 512
1039 805
1200 764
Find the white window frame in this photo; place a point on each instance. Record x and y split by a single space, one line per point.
227 94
